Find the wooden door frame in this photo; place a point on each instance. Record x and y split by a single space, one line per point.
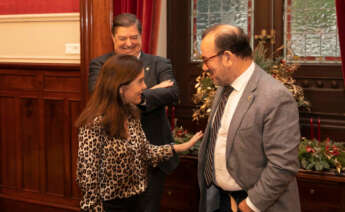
95 36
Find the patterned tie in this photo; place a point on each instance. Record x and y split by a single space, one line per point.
208 172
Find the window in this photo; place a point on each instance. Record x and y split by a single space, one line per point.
209 12
311 31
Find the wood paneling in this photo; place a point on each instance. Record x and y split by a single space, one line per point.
10 205
30 143
8 143
324 88
38 106
321 192
74 110
95 27
54 146
181 192
11 81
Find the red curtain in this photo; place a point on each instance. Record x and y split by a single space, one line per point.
148 12
340 7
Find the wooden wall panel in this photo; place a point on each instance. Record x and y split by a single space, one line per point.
29 132
38 106
75 108
324 88
58 83
54 145
8 143
12 81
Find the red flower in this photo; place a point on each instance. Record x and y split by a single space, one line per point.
179 133
310 149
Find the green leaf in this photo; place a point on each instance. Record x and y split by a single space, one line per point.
304 163
309 166
318 166
325 165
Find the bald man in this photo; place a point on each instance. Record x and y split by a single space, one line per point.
248 159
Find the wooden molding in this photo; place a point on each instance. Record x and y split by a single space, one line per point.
50 17
40 66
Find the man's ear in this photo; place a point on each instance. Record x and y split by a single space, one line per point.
113 39
227 57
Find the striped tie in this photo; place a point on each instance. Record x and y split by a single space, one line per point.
213 135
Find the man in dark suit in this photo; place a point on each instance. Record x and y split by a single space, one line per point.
158 74
248 159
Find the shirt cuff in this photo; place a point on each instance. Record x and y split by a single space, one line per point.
251 205
173 149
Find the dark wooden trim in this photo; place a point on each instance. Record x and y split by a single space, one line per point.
95 36
85 26
40 202
41 66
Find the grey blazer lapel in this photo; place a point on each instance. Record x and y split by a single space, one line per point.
244 104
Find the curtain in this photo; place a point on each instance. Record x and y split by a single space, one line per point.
340 8
148 12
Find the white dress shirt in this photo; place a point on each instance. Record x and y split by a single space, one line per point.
222 177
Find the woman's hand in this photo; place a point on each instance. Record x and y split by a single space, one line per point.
185 146
164 84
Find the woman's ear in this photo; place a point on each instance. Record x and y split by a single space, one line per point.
121 93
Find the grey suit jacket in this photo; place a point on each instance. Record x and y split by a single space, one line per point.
262 147
154 120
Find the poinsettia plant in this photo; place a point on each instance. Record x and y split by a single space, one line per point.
322 156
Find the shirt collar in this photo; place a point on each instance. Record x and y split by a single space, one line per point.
243 79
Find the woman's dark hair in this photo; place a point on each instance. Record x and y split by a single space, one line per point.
106 100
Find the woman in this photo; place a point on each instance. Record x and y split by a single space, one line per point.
114 154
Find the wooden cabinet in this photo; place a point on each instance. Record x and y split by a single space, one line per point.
321 192
181 191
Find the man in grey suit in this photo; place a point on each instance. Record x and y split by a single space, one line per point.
248 159
162 91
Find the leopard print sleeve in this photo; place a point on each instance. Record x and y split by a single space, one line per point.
88 166
154 154
157 154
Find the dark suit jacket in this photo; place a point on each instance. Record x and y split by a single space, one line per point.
154 120
262 147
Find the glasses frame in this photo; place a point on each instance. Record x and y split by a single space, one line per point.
204 61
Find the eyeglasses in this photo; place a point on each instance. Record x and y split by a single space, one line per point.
205 60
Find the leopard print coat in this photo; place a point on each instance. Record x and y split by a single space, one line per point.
110 167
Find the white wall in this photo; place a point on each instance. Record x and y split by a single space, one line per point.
40 38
